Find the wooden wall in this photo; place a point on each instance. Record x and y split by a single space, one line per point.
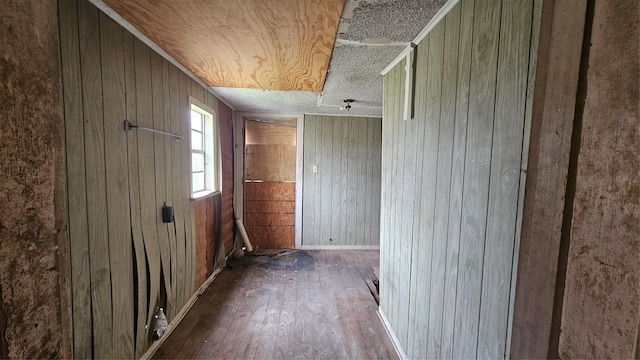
125 261
341 201
451 179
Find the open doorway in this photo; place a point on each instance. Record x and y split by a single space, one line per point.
269 179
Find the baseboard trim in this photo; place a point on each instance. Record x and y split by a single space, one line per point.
339 247
392 335
180 315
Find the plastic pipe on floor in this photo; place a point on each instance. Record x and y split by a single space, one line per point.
243 235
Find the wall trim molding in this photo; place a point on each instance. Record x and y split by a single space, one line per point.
392 335
338 247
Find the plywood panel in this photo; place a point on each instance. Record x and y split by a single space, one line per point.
271 237
269 219
269 207
270 191
247 50
262 133
340 185
272 162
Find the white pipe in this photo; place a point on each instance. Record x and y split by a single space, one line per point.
243 235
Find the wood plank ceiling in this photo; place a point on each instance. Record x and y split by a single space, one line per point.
259 44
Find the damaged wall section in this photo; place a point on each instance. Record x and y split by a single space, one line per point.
32 215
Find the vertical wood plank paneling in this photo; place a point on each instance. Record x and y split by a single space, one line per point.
176 163
90 63
376 177
325 169
184 116
118 181
384 192
392 284
420 53
76 180
147 193
159 148
459 24
399 297
140 270
441 200
513 62
350 182
452 212
309 178
402 212
336 191
176 183
477 170
170 283
117 186
338 199
368 146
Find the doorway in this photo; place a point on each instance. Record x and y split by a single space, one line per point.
269 179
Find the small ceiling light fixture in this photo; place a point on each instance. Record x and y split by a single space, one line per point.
348 106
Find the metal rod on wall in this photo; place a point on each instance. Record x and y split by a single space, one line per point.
128 126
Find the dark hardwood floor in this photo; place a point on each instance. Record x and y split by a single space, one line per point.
294 304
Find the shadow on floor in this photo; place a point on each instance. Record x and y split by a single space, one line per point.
275 260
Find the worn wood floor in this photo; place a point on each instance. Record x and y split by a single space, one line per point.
288 305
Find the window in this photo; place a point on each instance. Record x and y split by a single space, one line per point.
205 151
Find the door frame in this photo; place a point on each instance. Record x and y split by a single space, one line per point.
238 170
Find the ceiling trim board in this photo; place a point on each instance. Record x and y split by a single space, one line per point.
100 4
345 115
423 33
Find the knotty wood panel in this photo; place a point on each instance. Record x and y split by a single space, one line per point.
338 199
451 179
273 162
121 180
247 49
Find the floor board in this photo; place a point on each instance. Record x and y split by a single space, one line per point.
291 304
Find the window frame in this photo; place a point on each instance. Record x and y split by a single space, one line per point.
210 148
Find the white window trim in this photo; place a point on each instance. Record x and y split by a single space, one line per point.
213 156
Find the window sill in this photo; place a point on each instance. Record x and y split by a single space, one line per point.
203 194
